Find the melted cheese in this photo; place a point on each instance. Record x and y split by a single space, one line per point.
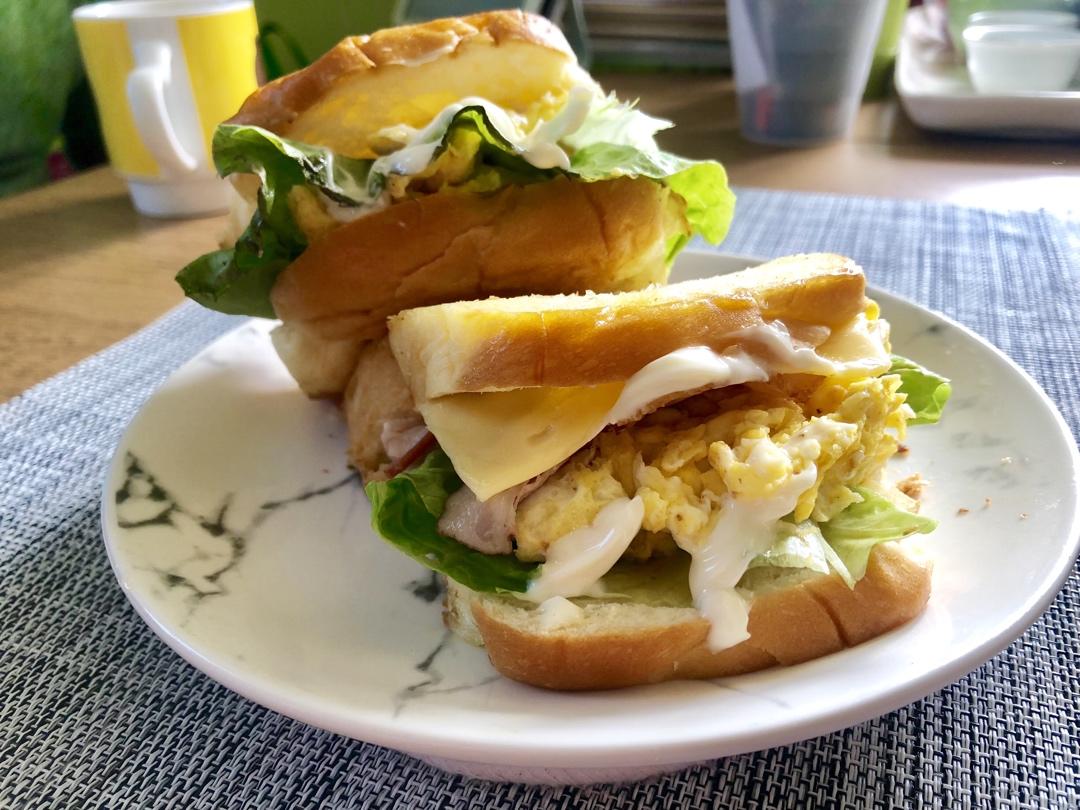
498 440
501 439
744 528
576 561
860 349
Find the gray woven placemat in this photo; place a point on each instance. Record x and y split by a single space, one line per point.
96 712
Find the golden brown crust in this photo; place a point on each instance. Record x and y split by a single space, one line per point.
816 617
496 345
280 105
557 236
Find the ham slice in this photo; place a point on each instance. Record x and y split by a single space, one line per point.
487 526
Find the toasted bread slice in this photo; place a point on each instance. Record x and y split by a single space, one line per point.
581 340
552 237
405 75
618 644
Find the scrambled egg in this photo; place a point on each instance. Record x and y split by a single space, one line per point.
683 460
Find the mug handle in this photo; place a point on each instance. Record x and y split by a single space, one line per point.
146 95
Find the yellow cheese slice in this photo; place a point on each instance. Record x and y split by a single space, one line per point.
859 349
499 439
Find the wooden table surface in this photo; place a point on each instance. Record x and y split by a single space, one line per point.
80 270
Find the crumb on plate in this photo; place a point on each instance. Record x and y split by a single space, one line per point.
913 486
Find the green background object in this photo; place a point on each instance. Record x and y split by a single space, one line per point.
293 34
41 67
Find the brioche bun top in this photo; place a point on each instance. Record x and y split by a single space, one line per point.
406 75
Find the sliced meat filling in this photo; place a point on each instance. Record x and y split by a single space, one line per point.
487 526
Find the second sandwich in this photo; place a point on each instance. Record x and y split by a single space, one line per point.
443 161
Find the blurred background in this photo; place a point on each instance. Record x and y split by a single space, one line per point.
49 126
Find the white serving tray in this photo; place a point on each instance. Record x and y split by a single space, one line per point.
939 95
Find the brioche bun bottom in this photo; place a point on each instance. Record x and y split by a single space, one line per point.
619 644
555 236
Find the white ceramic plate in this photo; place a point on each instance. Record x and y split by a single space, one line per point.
941 96
238 533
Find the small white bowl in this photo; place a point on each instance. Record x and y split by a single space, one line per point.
1046 19
1021 58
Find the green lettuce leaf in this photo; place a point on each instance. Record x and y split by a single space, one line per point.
487 147
618 139
796 546
926 391
615 140
843 544
612 121
405 511
856 530
238 280
802 545
281 163
710 204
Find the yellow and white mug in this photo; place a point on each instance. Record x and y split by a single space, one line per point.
165 73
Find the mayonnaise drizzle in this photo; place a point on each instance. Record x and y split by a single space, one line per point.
744 528
576 561
539 147
348 213
690 369
558 611
700 368
788 358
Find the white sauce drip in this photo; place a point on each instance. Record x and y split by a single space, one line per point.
349 213
576 561
745 527
700 368
558 611
788 358
539 147
691 369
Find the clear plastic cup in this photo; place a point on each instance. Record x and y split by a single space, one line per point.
801 66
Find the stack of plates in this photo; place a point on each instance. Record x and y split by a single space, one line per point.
658 33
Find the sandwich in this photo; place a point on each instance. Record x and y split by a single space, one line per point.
449 160
686 481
